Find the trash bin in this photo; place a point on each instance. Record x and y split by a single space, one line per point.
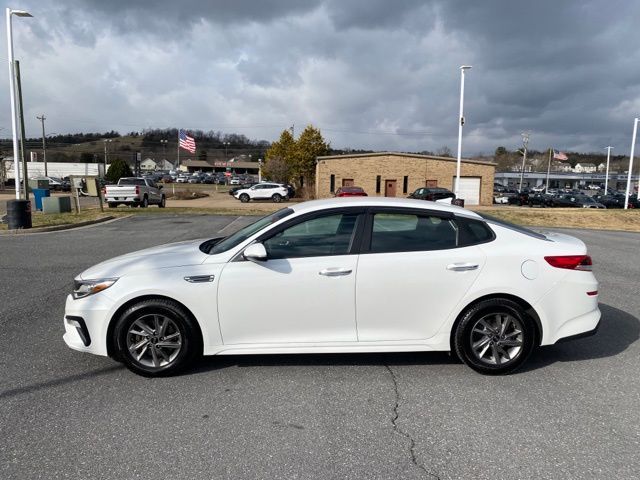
39 194
18 214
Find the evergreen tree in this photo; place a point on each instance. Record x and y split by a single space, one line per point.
118 169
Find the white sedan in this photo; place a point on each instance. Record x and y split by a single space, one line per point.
342 275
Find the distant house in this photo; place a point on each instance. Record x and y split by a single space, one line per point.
602 167
560 166
585 168
148 165
164 165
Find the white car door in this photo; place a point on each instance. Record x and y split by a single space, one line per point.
303 293
412 272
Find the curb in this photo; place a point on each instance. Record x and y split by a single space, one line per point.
56 228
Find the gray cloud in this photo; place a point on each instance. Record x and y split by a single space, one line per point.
371 74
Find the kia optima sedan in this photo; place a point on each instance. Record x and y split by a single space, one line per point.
342 275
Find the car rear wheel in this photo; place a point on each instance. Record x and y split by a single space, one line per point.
163 202
244 198
156 338
276 197
495 337
145 202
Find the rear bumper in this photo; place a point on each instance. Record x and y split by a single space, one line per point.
577 336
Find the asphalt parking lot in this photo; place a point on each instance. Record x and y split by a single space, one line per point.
572 413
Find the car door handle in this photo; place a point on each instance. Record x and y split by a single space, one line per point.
462 267
335 272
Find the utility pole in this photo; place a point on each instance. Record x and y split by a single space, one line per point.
606 177
293 130
44 145
105 153
525 143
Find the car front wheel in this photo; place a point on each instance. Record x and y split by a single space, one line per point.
244 198
156 338
494 337
163 202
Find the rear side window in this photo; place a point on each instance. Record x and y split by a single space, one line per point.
395 232
473 232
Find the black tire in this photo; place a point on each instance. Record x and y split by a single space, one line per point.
467 334
181 322
163 202
276 197
244 198
112 204
145 202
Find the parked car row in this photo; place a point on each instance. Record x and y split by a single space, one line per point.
566 199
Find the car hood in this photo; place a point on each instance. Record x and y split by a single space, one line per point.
163 256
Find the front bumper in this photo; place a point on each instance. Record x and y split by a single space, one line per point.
85 323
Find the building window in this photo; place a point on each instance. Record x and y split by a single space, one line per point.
405 184
332 183
378 182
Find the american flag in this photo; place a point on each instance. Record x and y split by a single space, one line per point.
186 142
558 155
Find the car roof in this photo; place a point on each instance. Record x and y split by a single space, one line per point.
337 202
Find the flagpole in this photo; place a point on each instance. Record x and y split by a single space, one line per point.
178 164
546 190
633 148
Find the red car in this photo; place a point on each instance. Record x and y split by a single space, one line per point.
350 192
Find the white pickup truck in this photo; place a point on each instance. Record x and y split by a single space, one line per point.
136 192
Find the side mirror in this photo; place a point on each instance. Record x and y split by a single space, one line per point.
255 253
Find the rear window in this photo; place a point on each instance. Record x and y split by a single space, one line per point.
511 226
131 181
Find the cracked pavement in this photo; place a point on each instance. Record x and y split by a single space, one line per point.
572 413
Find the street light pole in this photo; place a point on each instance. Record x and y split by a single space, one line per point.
606 177
12 89
460 124
164 149
633 148
44 145
525 142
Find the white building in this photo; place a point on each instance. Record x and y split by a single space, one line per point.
585 168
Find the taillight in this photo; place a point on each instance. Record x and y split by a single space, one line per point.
570 262
137 189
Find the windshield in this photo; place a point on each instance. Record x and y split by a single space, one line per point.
244 233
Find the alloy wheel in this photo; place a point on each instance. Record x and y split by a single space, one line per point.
497 339
154 340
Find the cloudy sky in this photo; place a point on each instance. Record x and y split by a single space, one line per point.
376 74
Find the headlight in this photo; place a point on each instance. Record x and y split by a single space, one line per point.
84 288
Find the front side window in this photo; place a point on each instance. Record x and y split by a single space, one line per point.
320 236
395 232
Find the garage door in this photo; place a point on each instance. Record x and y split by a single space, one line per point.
469 190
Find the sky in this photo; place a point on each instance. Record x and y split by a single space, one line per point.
371 74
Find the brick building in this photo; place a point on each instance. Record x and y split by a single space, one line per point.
399 174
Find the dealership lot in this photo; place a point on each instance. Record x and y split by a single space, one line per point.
572 413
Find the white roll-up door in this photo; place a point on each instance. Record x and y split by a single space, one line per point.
469 190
